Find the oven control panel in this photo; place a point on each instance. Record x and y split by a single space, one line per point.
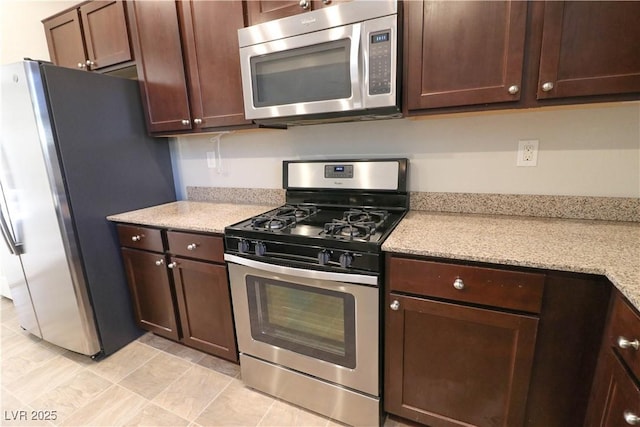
338 171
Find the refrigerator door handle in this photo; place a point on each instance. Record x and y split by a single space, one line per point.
14 247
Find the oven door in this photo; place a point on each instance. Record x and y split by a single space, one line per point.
324 328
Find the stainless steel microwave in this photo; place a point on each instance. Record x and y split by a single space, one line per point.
332 64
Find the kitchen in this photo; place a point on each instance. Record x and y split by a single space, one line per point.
585 151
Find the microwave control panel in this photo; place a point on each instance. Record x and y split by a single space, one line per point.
380 63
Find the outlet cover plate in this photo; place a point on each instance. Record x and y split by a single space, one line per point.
527 152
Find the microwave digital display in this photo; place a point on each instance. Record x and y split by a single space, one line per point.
380 37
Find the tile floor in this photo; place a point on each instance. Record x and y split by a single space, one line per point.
150 382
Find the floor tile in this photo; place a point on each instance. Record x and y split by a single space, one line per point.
283 414
192 392
153 415
155 375
45 377
183 352
220 365
237 405
73 394
123 362
113 407
155 341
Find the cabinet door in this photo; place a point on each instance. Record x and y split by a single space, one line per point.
463 52
105 33
614 395
151 292
158 50
213 62
204 304
453 365
64 38
589 48
267 10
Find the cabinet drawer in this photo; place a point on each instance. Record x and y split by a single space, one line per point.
200 246
625 325
479 285
149 239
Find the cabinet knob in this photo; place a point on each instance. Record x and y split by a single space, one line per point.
90 63
136 238
547 86
631 418
304 4
326 1
172 264
395 305
81 65
624 343
197 121
514 89
159 262
192 246
458 284
186 122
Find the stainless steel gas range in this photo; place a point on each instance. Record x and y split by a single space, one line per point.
306 286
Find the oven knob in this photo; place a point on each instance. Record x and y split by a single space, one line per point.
243 246
260 249
323 257
345 260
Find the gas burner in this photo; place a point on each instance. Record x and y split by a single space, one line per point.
273 222
357 216
340 229
299 211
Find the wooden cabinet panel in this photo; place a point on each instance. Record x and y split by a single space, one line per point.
487 286
204 304
625 324
156 38
452 365
151 291
193 245
213 62
259 11
136 237
105 33
64 39
590 48
463 52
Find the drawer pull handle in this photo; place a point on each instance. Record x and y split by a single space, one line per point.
631 418
136 238
159 262
395 305
192 246
172 264
624 343
458 284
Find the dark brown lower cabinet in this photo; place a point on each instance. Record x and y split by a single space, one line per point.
151 292
204 305
453 365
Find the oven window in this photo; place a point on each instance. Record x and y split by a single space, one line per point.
314 73
319 323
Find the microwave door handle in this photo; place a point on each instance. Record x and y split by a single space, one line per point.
356 61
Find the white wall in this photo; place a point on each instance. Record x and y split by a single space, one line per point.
583 151
21 32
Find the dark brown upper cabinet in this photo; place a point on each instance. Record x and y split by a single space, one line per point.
188 64
589 48
463 52
93 36
259 11
466 56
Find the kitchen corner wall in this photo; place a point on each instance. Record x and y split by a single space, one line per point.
591 150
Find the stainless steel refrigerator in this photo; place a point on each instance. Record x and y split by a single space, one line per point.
74 149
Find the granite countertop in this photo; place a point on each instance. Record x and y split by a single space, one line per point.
194 216
607 248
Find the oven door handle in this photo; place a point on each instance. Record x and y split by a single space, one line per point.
301 272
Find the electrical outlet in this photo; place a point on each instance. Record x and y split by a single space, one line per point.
527 152
211 159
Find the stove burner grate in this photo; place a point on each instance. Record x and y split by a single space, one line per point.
282 218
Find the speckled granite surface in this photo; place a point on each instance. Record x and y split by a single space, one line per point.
603 208
257 196
608 248
195 216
